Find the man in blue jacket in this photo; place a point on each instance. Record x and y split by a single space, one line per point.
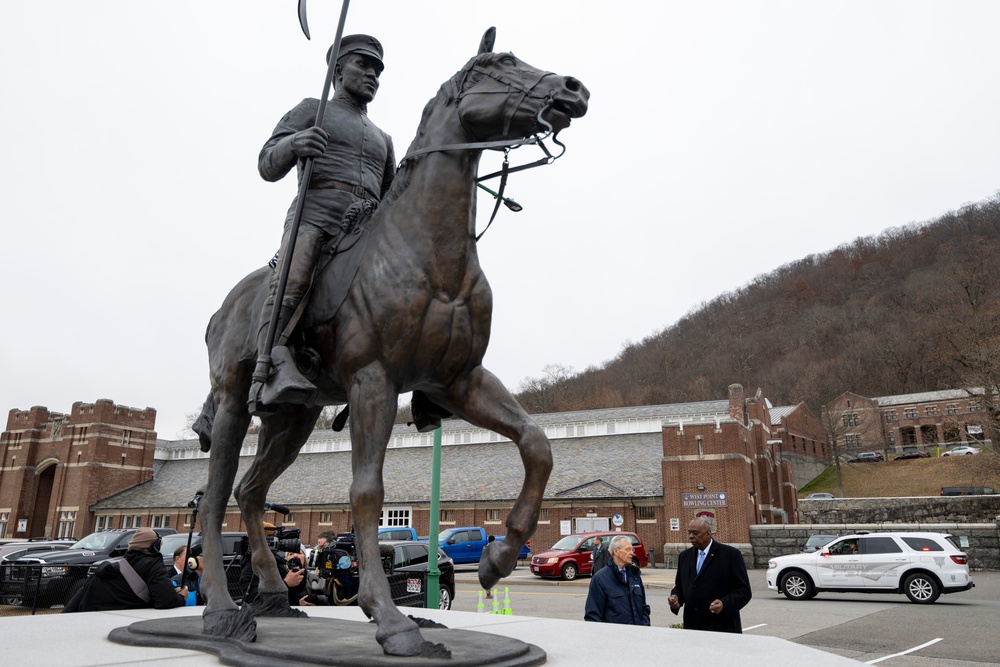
617 594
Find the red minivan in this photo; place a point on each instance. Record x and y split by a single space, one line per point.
570 556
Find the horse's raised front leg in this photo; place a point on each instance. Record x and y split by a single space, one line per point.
373 409
281 436
481 399
221 617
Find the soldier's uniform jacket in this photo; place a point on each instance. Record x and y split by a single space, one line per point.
358 154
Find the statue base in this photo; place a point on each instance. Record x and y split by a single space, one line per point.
322 641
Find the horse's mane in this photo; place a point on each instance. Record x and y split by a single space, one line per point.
447 94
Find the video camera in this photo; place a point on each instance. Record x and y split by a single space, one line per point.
283 539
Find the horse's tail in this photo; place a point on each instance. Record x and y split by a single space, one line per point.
203 424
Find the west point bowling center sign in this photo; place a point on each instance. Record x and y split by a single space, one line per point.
698 500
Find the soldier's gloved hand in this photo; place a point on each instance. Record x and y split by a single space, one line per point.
310 143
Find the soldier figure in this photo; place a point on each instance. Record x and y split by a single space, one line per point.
353 161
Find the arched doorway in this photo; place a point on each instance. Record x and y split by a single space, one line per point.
45 475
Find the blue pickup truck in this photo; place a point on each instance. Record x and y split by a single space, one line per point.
465 544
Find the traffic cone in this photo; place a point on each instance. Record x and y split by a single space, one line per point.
507 611
480 607
495 608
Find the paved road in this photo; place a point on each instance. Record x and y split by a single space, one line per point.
959 630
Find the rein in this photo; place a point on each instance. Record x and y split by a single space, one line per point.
506 145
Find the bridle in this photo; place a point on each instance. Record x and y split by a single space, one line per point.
511 106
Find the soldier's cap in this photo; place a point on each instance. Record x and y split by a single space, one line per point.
365 44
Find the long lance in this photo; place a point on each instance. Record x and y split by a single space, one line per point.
285 261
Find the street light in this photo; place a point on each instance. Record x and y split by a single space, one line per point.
509 203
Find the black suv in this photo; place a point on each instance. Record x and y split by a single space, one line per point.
56 576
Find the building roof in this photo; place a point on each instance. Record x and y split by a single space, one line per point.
608 467
607 453
780 412
929 396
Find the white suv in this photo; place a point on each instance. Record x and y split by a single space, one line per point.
922 565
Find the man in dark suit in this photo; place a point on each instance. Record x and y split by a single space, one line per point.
712 583
600 555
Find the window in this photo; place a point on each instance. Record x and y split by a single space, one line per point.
922 544
879 545
326 517
492 515
399 516
852 440
911 413
543 514
931 411
4 520
645 513
973 407
289 518
159 521
952 408
133 521
447 516
890 416
105 522
79 434
67 524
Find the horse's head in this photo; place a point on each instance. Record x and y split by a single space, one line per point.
503 97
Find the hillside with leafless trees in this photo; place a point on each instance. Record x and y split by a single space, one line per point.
915 308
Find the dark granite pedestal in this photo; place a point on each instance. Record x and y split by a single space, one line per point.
316 641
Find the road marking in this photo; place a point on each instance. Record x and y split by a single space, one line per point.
896 655
754 627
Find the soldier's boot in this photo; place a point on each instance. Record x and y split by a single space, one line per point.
276 378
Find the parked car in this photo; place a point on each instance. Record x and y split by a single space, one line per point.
820 496
967 490
570 556
466 544
867 457
411 556
912 455
64 571
921 565
14 550
397 533
817 542
964 450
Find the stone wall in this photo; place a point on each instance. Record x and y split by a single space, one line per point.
983 539
919 509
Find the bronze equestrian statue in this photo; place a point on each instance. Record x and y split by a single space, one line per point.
412 314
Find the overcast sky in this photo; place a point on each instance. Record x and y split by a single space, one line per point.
723 140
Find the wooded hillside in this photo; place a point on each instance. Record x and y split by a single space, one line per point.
913 309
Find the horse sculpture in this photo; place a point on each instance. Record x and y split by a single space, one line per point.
415 317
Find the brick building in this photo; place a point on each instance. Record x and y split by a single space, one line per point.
54 466
923 420
656 466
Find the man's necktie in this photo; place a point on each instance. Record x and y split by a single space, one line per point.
621 575
701 559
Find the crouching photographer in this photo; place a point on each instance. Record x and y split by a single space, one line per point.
337 564
291 567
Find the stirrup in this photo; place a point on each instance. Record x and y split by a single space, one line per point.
286 384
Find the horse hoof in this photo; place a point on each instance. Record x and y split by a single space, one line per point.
273 605
238 624
412 644
490 570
